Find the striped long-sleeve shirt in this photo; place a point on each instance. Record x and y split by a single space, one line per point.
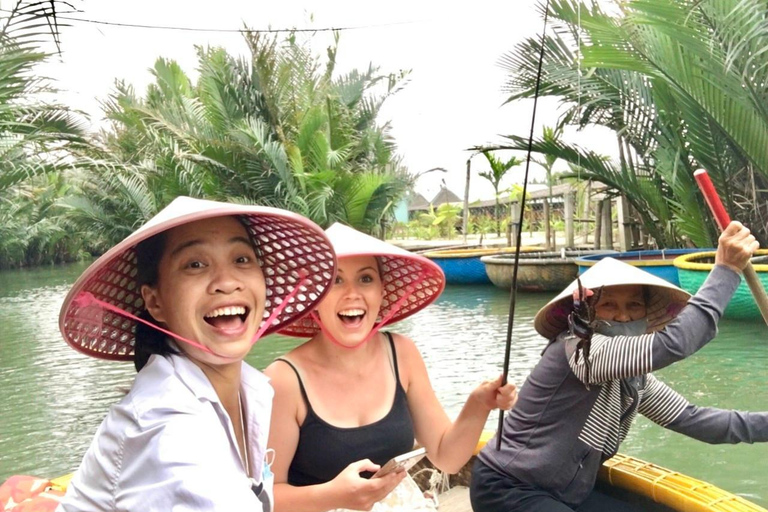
560 430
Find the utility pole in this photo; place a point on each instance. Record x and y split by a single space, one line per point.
465 220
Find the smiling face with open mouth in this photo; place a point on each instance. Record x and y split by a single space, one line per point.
351 308
210 289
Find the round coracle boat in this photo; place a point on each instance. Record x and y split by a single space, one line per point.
658 262
463 266
627 479
537 272
694 268
630 480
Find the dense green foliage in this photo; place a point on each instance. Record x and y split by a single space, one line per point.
682 83
277 129
37 138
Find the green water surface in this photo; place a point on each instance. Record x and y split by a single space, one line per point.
52 398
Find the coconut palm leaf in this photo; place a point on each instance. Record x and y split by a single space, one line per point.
682 85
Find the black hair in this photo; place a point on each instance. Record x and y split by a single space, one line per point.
148 339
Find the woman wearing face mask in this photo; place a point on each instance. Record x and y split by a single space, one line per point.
352 397
185 297
579 402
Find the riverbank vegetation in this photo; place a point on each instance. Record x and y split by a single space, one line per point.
683 84
280 128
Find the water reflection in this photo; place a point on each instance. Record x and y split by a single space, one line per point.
54 398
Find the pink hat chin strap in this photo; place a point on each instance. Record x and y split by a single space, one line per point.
86 299
376 327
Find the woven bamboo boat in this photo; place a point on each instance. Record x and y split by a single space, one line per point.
537 272
463 266
694 268
652 487
657 262
632 480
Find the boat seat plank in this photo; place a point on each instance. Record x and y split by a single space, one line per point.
455 499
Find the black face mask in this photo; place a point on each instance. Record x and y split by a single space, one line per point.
633 328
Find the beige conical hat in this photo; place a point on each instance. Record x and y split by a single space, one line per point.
411 282
665 299
289 246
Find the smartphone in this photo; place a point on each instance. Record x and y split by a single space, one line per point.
405 461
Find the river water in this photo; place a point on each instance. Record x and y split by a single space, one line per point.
52 399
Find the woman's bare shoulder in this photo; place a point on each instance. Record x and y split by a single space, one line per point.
405 345
282 375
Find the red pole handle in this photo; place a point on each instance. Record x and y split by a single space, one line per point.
723 219
713 199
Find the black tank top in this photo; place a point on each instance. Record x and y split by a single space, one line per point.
325 450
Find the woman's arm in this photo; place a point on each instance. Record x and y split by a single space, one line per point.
449 444
664 406
347 490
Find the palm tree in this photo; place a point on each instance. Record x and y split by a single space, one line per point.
276 129
682 83
550 135
37 137
34 133
499 168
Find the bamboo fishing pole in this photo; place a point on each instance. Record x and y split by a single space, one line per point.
723 219
518 240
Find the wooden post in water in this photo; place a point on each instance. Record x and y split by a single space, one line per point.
568 198
607 225
514 212
625 224
598 223
585 213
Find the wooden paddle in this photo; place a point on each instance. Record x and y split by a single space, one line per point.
723 219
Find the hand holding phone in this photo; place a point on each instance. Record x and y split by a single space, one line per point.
405 461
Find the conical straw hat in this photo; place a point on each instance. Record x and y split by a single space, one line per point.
664 303
402 273
288 246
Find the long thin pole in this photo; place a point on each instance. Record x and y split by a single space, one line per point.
723 219
465 220
519 238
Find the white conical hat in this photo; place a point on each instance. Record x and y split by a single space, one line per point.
402 273
288 246
664 303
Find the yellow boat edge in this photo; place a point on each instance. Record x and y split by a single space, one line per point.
664 486
670 488
474 253
688 261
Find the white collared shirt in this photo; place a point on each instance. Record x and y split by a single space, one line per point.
170 445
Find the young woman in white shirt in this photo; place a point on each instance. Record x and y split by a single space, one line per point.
185 297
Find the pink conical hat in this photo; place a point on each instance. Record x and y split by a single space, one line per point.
289 245
411 282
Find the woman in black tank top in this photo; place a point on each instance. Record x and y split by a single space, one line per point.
353 397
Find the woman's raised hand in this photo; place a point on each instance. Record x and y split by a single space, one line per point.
735 246
358 493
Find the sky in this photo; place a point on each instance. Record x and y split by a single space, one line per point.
453 100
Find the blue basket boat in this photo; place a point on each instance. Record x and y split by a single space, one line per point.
463 266
657 262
